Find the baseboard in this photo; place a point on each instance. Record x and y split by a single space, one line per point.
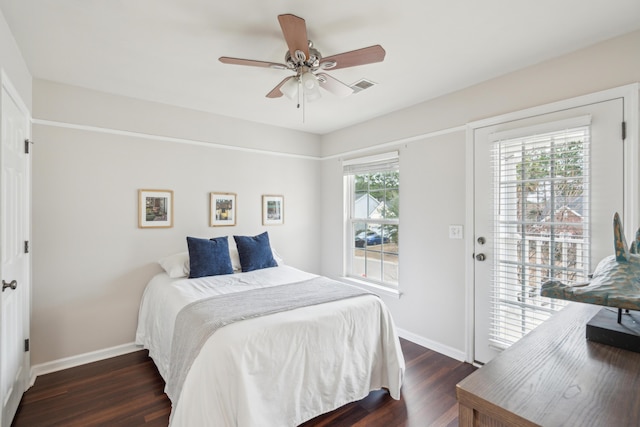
94 356
81 359
454 353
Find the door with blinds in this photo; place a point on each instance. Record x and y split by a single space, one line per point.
545 192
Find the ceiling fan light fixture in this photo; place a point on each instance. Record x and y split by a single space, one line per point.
290 88
310 86
309 81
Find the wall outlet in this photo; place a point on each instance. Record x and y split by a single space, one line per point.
455 231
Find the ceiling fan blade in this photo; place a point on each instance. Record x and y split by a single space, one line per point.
294 30
366 55
334 85
275 92
252 63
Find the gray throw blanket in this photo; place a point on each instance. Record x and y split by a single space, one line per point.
197 321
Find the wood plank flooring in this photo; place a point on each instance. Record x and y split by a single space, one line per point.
127 391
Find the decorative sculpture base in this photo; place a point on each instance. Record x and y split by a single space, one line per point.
605 329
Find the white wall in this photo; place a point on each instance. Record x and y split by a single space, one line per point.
90 259
12 63
605 65
433 174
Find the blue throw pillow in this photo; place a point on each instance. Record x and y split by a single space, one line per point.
209 257
255 252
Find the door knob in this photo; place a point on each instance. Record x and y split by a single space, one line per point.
13 284
481 257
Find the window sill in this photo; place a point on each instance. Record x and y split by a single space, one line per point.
376 289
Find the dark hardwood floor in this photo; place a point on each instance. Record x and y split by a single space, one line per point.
128 391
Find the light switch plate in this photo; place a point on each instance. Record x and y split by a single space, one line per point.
455 231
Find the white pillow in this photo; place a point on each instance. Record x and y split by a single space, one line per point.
176 265
235 257
277 257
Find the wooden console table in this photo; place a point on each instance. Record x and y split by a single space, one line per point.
555 377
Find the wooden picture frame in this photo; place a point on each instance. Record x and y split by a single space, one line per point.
223 209
272 210
155 208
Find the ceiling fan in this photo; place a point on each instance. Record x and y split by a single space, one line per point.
308 64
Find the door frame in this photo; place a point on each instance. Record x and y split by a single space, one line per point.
5 83
630 95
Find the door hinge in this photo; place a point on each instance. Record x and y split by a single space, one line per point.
26 345
26 246
26 145
624 130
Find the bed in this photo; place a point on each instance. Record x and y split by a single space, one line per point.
281 368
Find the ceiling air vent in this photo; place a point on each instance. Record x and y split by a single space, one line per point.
361 85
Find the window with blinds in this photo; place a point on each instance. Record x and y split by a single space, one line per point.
540 227
372 195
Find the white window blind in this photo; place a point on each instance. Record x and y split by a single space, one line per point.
540 228
372 164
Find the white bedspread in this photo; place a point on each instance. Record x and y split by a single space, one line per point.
276 370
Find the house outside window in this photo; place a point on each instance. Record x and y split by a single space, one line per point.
372 198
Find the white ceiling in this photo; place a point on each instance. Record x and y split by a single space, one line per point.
167 50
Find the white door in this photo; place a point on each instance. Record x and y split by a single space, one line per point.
14 262
546 190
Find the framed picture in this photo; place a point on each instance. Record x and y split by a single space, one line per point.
155 208
272 210
223 209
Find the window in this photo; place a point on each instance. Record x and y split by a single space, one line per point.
372 195
541 230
